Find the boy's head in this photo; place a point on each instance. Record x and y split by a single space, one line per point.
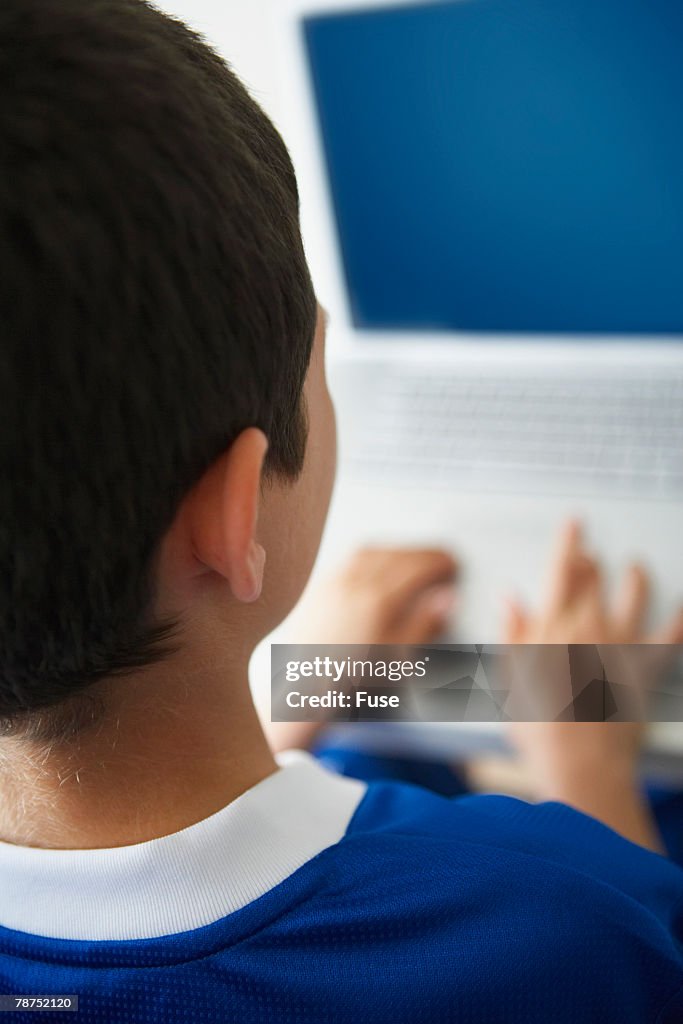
156 308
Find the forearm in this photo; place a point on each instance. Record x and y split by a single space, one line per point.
609 793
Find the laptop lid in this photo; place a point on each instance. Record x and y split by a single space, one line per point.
505 165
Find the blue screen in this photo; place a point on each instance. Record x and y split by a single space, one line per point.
506 165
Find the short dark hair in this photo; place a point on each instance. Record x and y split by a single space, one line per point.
155 301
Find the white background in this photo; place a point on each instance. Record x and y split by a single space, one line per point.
243 31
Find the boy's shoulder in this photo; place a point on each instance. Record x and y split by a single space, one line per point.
487 839
501 903
518 852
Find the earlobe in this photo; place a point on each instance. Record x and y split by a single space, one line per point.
223 513
253 580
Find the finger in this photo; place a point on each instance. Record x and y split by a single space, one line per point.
405 573
631 602
427 617
567 548
671 633
515 621
361 563
584 579
386 563
368 562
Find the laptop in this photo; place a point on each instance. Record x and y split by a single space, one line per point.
492 203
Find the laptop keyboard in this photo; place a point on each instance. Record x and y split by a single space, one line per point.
536 434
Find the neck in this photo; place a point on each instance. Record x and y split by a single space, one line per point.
178 742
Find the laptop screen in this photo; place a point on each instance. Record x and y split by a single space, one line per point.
506 165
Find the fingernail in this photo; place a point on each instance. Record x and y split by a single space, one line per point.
442 600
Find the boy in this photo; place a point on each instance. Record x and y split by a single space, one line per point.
168 446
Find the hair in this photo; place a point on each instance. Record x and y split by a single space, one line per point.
154 302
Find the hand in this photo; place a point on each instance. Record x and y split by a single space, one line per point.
589 764
381 596
575 610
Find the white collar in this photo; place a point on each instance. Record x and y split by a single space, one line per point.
186 880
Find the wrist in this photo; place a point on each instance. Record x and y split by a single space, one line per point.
572 779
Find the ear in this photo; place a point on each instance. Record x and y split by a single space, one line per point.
221 515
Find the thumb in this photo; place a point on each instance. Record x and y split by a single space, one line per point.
515 621
428 616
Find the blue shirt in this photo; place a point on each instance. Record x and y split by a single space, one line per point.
473 909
